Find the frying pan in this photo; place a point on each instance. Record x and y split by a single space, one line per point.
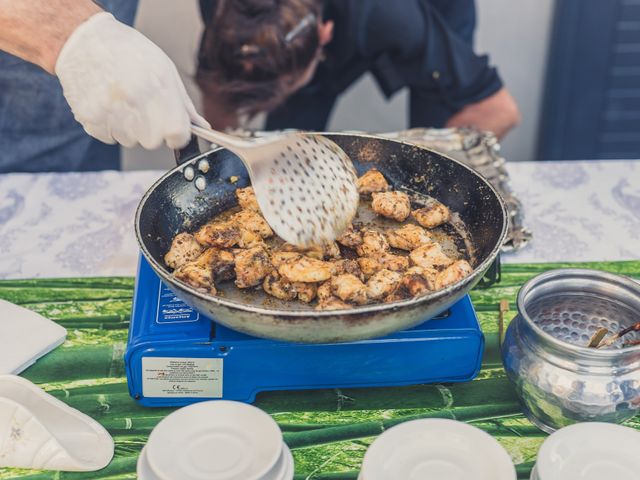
174 204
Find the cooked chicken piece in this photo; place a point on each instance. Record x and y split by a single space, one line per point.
408 237
395 205
218 234
430 256
372 181
453 273
184 249
373 243
332 251
305 269
371 265
350 238
199 273
411 285
278 258
333 303
324 291
306 291
349 288
223 266
254 222
247 199
432 215
347 266
249 239
276 286
382 283
429 274
252 266
319 252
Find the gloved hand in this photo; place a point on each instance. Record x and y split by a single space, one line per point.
122 87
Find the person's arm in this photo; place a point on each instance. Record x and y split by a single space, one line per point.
36 30
497 113
121 87
450 84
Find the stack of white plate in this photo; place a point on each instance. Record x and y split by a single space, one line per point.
589 451
436 449
216 440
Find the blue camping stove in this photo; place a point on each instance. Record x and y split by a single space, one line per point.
175 356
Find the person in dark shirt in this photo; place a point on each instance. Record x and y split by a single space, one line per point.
294 58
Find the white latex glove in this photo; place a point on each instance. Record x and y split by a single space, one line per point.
122 87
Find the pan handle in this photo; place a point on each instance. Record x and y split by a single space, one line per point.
191 150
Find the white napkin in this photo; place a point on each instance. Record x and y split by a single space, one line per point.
25 336
39 431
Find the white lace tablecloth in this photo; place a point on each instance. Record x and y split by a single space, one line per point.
81 224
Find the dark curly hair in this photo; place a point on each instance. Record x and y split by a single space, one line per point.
249 47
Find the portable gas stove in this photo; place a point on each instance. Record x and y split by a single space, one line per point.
175 356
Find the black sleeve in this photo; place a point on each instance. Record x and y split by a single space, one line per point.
426 54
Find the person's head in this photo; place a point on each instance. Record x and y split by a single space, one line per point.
255 53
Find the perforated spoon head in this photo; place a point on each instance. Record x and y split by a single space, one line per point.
305 186
304 183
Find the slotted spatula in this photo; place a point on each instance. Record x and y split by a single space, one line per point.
305 184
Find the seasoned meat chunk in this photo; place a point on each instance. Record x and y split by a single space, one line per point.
430 256
411 285
347 266
252 266
277 287
184 249
199 273
382 283
432 215
249 239
253 222
247 199
372 181
429 274
349 288
278 258
306 291
408 237
305 269
274 284
394 205
373 243
453 273
350 238
219 234
333 303
319 252
371 265
324 291
223 266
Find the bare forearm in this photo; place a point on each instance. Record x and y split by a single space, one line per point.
36 30
497 113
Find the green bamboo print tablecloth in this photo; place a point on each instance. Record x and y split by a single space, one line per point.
328 430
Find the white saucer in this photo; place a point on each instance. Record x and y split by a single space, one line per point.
436 449
590 451
284 471
215 440
143 469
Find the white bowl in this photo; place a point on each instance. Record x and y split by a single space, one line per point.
436 449
590 451
216 440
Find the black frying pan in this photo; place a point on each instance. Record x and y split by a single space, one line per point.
174 204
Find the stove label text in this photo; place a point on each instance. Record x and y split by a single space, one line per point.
182 377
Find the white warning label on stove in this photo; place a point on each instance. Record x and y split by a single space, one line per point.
179 377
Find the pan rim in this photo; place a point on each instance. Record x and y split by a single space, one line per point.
478 271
